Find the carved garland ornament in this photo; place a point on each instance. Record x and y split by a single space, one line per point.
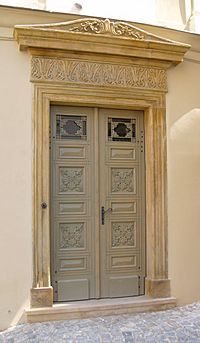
102 74
106 26
102 27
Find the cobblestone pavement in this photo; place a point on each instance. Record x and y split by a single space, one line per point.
178 325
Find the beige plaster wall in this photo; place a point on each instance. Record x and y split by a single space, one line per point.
183 127
15 183
183 121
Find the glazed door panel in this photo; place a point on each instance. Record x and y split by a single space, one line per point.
97 211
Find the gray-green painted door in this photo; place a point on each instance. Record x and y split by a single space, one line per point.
122 195
97 160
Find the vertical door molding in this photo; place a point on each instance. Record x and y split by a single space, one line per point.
41 293
157 282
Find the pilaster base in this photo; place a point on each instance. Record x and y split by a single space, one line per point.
158 288
41 297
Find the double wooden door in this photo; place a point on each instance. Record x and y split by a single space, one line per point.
97 203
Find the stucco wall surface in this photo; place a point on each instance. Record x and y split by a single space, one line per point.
183 123
183 141
15 183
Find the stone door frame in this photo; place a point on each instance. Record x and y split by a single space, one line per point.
99 63
157 282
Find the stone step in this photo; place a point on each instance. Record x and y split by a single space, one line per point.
99 307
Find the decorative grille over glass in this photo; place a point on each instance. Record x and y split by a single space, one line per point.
71 127
122 130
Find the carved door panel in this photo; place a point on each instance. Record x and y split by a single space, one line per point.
97 160
122 195
72 207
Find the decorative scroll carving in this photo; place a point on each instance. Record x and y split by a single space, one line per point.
123 180
100 26
102 74
123 234
96 26
71 179
72 235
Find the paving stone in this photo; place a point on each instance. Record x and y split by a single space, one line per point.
180 325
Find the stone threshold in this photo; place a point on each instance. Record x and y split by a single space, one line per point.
99 307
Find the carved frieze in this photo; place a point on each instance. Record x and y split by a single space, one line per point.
97 73
123 234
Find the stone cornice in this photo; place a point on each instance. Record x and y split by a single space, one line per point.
100 74
100 35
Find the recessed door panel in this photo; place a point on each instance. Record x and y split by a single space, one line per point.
124 206
64 207
123 286
73 289
123 153
70 152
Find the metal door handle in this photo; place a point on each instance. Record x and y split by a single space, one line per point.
103 212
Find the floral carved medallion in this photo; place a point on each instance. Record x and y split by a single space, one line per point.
123 234
72 235
71 179
123 180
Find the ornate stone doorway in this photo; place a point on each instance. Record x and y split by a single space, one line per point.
105 64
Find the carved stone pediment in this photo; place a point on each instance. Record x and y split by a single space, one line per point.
95 35
101 27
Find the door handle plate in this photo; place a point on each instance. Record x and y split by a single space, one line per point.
103 212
